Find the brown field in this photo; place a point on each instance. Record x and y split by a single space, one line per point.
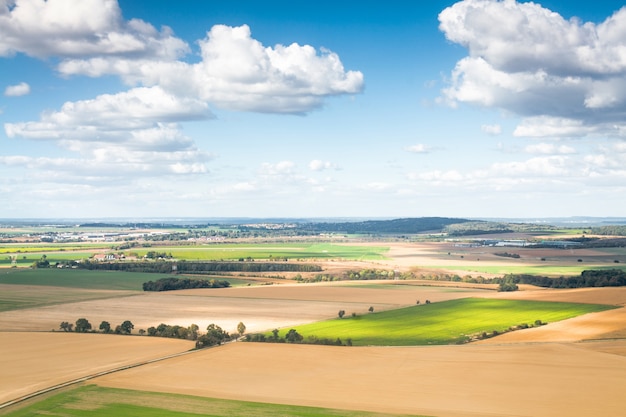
453 381
572 368
34 361
425 254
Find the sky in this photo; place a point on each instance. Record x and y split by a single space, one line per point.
268 109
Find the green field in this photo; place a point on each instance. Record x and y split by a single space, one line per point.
108 402
15 297
92 280
441 323
78 278
305 251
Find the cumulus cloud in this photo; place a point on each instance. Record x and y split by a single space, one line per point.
528 60
237 72
318 165
133 131
67 28
17 90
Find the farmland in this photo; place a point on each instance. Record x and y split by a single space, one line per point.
447 322
111 402
578 355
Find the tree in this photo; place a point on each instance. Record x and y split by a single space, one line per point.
105 327
341 313
293 336
82 325
126 327
214 336
241 328
371 309
275 334
66 326
193 331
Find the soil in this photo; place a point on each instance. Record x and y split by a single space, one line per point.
539 380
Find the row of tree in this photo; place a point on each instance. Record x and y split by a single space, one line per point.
292 336
215 335
588 278
82 325
170 284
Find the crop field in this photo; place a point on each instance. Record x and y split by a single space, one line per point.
529 380
268 251
442 323
19 249
15 297
77 278
110 402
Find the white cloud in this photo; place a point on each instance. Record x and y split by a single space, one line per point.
17 90
237 72
549 149
418 148
108 116
528 60
68 28
491 129
126 133
284 169
318 165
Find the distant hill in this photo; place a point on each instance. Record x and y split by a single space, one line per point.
409 225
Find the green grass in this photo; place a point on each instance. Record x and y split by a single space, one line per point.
303 251
440 323
78 278
92 280
110 402
17 297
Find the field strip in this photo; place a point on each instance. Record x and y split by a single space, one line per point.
91 376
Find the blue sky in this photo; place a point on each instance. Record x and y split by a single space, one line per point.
476 108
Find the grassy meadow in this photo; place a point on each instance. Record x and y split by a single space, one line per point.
441 323
110 402
91 280
78 278
305 251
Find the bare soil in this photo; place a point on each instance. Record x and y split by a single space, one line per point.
34 361
544 380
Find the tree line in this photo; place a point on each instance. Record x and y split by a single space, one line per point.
587 278
292 336
82 325
170 284
214 335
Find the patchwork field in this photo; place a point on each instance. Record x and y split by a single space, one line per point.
574 367
260 308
